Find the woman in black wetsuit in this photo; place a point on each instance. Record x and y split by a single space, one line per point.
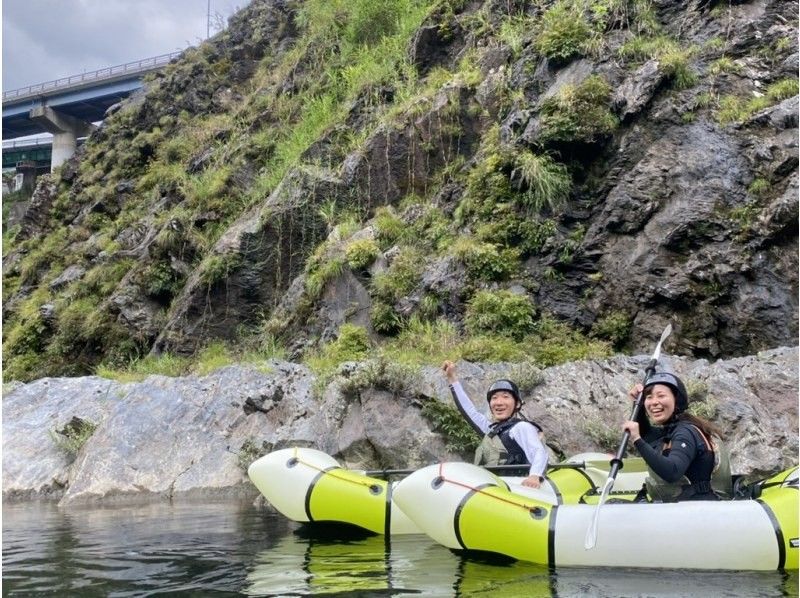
678 448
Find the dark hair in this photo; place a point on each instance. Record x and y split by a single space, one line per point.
706 427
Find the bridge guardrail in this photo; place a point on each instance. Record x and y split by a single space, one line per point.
137 66
11 144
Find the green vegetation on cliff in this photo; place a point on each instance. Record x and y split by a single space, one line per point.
416 179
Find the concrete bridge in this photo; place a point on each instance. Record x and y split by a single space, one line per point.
36 150
67 107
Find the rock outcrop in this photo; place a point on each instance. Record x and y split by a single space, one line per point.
167 438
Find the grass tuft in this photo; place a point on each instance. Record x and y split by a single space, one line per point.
72 437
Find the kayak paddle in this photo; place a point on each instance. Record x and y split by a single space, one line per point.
499 469
616 462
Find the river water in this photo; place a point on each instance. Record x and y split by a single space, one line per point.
232 549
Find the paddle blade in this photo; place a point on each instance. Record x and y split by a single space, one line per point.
664 336
591 533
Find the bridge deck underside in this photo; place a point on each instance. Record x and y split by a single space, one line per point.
87 105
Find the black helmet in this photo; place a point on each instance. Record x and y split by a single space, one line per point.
506 385
678 389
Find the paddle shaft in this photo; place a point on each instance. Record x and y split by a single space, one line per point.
616 462
377 473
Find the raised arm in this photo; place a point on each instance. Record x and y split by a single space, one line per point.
474 417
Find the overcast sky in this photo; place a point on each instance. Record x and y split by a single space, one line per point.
49 39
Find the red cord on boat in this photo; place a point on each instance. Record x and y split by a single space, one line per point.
481 491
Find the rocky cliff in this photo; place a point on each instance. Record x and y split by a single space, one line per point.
168 438
513 174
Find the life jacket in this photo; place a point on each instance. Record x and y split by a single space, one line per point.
498 448
719 486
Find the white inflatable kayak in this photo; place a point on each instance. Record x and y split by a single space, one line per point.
307 485
464 507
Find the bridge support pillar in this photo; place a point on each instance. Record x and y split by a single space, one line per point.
65 129
25 178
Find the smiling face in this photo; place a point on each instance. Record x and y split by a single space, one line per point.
659 402
503 405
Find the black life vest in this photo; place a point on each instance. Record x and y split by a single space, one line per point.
515 454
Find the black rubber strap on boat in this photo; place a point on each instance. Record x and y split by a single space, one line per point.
551 538
387 528
556 491
457 514
310 491
778 534
588 478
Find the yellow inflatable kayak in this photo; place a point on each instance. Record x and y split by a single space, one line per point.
465 507
307 485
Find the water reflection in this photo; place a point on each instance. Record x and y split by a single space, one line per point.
303 564
313 564
130 551
231 549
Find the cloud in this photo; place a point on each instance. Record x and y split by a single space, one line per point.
46 39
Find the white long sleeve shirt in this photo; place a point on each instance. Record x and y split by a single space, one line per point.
525 434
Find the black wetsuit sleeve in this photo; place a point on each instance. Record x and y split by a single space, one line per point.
672 467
